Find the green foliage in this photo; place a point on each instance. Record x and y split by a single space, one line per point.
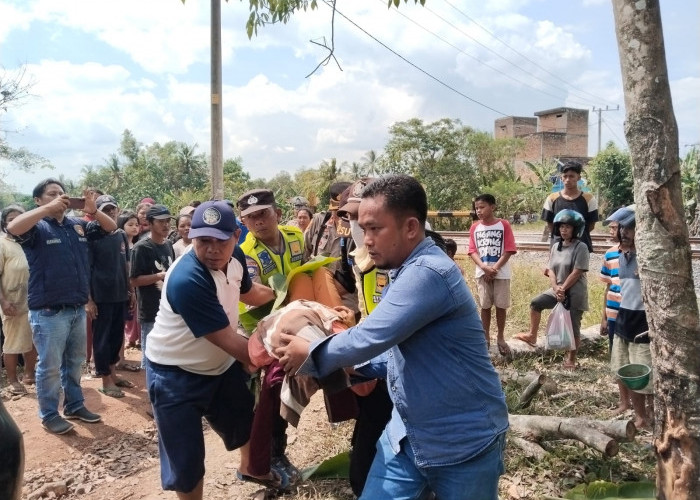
437 155
337 466
690 182
603 490
611 175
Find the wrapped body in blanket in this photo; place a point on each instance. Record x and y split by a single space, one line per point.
311 321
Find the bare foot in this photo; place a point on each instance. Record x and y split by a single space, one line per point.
525 337
620 410
642 423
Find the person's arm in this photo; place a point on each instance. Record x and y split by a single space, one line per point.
147 279
230 341
604 320
405 308
8 308
138 265
502 261
258 295
571 279
106 222
26 221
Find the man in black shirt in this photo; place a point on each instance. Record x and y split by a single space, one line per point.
152 256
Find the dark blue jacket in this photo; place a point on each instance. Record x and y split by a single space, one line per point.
57 253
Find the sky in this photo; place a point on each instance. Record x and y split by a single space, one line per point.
99 67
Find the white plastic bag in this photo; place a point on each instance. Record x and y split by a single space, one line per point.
560 332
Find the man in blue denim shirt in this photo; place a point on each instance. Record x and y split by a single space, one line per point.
447 429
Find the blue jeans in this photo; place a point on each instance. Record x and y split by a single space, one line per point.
146 327
60 338
399 478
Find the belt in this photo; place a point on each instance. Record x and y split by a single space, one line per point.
61 307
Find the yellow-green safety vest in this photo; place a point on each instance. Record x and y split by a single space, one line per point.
270 263
373 282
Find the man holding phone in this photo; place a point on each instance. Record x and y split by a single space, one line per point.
57 251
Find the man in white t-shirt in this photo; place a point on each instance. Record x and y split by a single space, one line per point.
196 359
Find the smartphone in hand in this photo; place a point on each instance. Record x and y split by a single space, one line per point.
76 203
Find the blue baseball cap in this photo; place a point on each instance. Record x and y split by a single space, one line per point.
214 219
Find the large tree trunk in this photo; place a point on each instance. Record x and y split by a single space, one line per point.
662 246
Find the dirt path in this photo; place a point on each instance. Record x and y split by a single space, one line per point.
117 459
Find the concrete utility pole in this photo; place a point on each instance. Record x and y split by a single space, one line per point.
217 146
599 111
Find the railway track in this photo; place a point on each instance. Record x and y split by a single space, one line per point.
531 242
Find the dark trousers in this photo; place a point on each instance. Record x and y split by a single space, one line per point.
374 414
107 336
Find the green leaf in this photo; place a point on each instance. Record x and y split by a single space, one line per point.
337 467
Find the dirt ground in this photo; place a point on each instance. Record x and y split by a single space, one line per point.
118 458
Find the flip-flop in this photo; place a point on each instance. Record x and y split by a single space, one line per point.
504 350
122 382
112 393
17 389
128 367
526 339
28 381
280 481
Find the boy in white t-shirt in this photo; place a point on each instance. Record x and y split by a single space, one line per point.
491 243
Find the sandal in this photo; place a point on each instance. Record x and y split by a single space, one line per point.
504 349
112 393
280 481
122 382
127 367
526 338
17 389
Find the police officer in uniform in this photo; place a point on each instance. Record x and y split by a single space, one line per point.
270 249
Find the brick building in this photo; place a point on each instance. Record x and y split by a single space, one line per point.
559 133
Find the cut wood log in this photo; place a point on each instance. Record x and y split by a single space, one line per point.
509 376
545 428
529 448
531 391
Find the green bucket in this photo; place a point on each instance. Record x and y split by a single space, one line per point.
634 376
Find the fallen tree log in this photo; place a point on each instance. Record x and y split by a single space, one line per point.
601 435
509 376
531 391
529 448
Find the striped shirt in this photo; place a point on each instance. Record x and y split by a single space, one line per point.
610 275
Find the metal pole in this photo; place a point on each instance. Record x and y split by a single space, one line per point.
217 147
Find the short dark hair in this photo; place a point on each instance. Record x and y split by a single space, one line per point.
451 245
40 188
403 195
486 198
572 165
307 210
6 212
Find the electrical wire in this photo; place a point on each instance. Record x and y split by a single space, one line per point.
584 103
554 75
446 85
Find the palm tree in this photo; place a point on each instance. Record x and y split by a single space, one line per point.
370 162
115 173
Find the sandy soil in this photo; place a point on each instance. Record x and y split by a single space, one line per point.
117 459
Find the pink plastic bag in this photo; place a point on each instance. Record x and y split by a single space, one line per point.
560 332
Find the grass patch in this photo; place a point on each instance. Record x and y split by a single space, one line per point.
527 282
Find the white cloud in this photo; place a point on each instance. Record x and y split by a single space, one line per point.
145 66
12 19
